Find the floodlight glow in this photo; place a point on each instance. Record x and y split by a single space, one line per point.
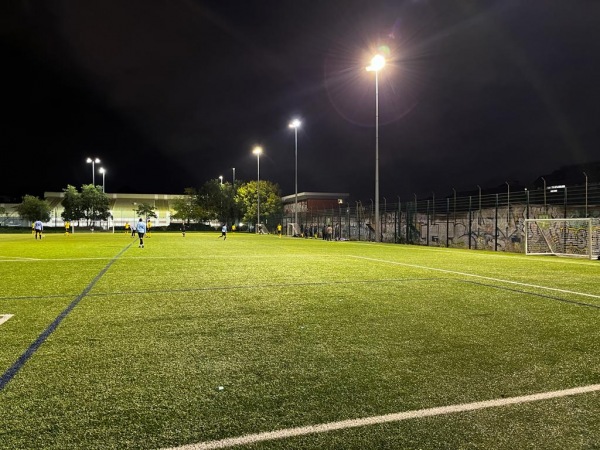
295 123
102 170
93 161
377 63
257 150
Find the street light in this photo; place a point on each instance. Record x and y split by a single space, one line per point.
102 170
221 178
295 124
93 161
377 64
257 151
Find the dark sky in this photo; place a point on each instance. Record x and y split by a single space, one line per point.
171 93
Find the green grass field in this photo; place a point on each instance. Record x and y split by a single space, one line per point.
195 340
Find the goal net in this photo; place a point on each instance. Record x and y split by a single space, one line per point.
562 237
292 229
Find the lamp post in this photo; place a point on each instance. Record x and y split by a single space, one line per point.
295 124
221 178
102 170
93 161
257 151
377 63
233 182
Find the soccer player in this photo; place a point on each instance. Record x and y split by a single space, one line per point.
38 227
224 232
141 230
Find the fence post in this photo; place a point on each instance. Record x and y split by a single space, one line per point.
358 219
447 221
407 222
348 219
496 226
399 219
565 228
428 223
470 223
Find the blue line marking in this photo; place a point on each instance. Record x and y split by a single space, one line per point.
20 362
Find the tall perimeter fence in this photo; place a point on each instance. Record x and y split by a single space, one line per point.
480 221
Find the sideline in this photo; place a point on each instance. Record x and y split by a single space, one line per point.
453 272
376 420
7 376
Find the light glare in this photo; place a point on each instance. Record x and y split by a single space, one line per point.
377 63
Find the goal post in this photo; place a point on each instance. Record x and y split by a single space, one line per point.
562 237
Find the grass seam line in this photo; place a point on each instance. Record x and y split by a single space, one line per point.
387 418
226 288
20 362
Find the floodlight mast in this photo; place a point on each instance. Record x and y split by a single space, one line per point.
93 161
295 124
377 63
257 151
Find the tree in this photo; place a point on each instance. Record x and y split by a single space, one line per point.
210 199
33 208
270 200
90 204
146 210
72 205
186 207
94 203
217 199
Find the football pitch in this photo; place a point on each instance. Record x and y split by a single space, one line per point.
260 342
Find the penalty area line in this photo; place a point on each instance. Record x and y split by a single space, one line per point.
376 420
454 272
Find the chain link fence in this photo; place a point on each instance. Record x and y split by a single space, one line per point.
481 221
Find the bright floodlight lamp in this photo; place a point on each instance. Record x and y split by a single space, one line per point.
221 178
295 124
93 161
102 170
377 63
257 151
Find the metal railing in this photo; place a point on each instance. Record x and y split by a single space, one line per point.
480 221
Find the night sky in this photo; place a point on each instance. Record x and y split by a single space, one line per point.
170 94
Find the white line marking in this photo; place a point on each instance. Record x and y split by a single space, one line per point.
416 266
5 317
375 420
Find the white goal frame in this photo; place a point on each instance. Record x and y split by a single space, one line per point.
574 237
